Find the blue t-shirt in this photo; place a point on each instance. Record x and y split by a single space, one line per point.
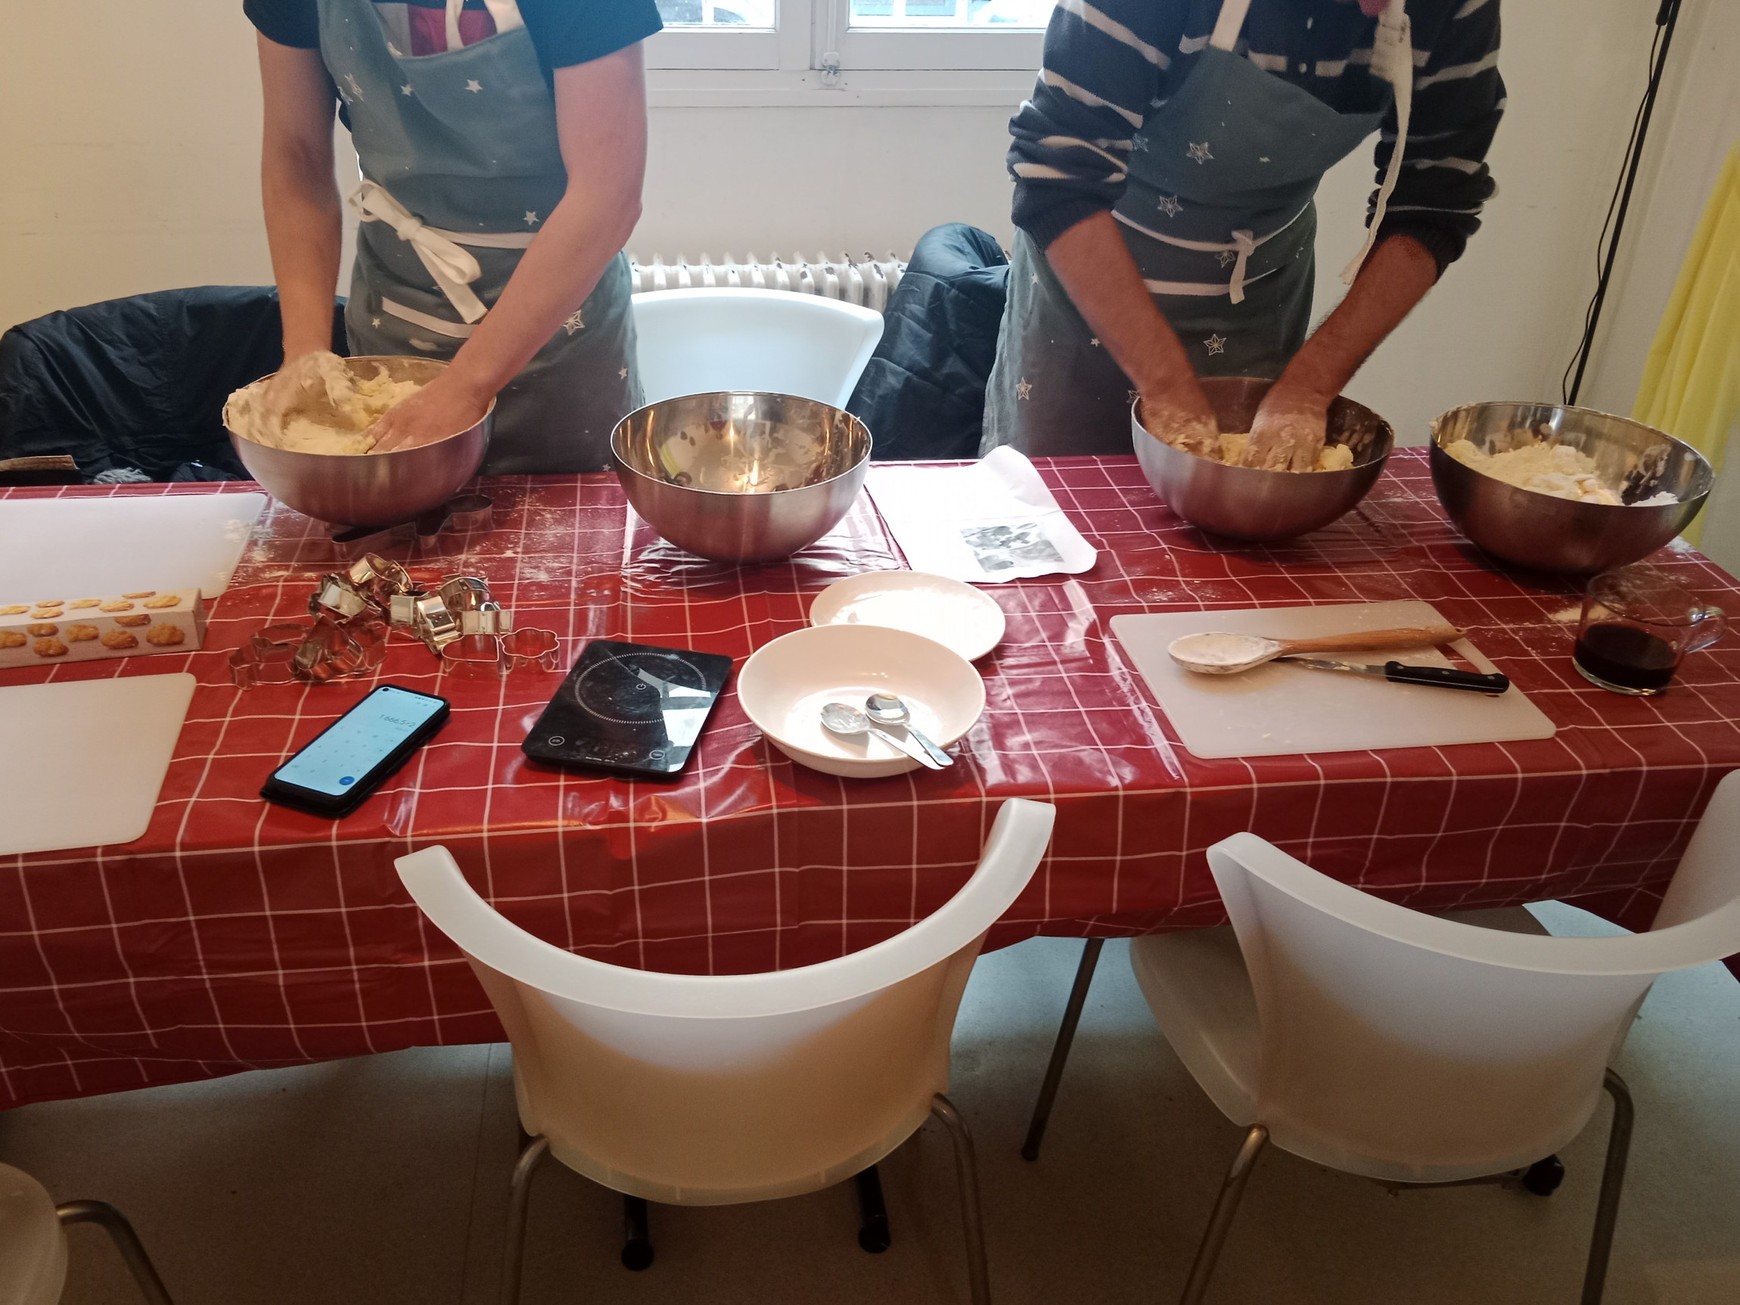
564 32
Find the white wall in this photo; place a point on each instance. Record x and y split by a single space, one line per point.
130 155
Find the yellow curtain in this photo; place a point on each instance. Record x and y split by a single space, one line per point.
1691 381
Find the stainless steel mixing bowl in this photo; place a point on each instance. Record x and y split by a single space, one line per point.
371 489
741 476
1251 504
1554 534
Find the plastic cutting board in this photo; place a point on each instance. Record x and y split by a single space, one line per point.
81 761
88 547
1278 709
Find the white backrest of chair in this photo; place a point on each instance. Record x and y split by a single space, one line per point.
699 341
1708 877
707 1089
1407 1045
32 1245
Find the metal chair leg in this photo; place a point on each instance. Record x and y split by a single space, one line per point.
1225 1207
1612 1181
535 1151
637 1247
1084 975
873 1232
967 1175
113 1222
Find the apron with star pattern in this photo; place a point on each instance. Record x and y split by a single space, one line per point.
461 165
1219 215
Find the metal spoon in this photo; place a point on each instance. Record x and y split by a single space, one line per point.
1228 654
887 709
849 722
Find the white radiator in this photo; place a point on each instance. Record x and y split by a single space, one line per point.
867 281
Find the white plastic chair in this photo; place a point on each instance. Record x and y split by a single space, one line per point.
1405 1047
33 1242
699 341
712 1090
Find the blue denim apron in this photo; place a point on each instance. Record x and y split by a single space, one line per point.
1218 213
461 165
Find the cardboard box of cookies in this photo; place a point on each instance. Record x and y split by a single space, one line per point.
87 629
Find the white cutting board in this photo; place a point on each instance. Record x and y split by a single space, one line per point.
1277 709
81 760
89 547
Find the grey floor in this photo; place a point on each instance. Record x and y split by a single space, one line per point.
384 1180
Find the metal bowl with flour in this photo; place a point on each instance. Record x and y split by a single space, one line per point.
1249 503
740 475
368 489
1545 533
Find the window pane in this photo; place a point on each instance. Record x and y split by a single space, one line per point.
959 15
737 14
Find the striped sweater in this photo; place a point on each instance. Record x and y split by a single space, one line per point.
1109 62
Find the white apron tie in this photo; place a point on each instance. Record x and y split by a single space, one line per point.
1392 58
452 267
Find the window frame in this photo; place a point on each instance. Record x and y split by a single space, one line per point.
814 45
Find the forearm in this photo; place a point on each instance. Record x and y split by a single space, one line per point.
303 229
1105 284
1395 277
555 275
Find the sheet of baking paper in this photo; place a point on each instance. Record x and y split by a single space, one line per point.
987 522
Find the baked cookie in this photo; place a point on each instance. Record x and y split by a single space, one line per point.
117 607
80 633
47 614
163 600
165 636
11 639
142 618
15 609
120 639
42 630
49 602
143 593
85 602
48 648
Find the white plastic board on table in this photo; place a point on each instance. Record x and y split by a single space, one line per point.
81 761
1280 709
89 547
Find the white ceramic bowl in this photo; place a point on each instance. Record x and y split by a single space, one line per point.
956 615
785 684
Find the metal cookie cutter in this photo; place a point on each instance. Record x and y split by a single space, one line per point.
488 656
267 656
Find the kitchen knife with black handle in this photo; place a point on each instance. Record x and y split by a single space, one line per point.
1441 677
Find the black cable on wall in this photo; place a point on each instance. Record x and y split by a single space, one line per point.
1665 19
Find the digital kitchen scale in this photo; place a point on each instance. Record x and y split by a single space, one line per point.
629 707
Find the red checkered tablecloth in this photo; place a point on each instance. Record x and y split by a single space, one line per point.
237 935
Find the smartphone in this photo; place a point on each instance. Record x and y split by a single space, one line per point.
629 707
345 762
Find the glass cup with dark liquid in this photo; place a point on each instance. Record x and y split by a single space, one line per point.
1636 626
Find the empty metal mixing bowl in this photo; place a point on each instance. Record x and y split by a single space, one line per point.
1545 533
1251 504
371 489
741 476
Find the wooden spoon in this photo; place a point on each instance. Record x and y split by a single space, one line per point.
1228 654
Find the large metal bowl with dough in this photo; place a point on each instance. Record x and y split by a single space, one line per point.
371 489
1544 533
1249 503
741 475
